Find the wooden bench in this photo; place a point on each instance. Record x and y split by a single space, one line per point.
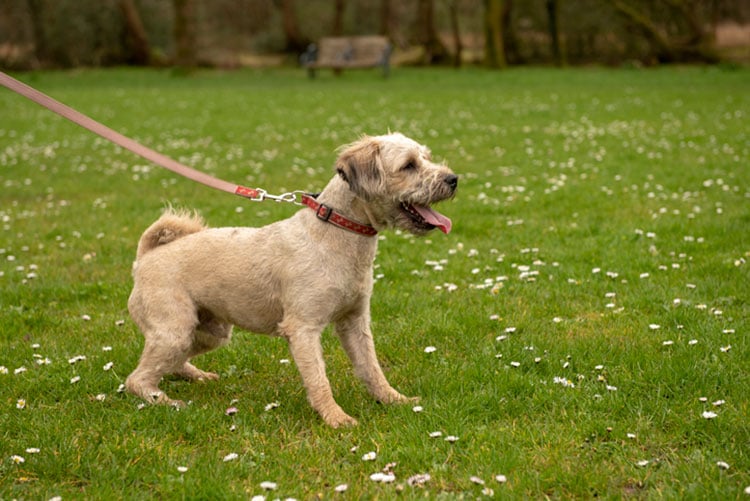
340 53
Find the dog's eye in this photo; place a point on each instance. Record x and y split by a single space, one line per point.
409 166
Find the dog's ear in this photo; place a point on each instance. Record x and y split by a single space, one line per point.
359 165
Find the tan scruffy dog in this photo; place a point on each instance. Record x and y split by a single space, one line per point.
290 278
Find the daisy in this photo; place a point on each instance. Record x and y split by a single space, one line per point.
269 486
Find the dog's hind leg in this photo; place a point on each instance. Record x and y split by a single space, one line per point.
210 333
356 338
168 344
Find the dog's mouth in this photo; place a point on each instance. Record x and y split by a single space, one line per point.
426 217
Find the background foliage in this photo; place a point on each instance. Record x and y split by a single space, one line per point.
42 33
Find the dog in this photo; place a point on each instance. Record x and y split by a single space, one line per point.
290 278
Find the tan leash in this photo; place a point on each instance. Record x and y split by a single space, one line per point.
323 212
127 143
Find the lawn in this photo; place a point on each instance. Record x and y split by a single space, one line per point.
582 332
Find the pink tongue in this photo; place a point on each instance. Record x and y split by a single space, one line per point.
434 218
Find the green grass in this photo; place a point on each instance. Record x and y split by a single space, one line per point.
575 184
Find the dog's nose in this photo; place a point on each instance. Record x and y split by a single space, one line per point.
452 181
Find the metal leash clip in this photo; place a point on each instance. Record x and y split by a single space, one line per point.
290 197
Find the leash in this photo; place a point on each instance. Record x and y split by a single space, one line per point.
322 211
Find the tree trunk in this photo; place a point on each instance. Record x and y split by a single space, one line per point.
386 18
139 51
295 42
184 33
434 50
41 47
338 18
494 48
458 45
553 16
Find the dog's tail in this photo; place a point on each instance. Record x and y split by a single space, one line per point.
169 227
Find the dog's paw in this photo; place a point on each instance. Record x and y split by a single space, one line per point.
394 397
337 418
208 376
341 421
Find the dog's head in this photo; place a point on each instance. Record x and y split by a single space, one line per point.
398 181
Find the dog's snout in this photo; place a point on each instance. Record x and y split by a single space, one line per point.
452 181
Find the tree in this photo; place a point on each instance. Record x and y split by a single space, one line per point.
679 36
434 50
135 35
41 47
295 42
184 33
386 18
456 31
496 16
553 16
338 18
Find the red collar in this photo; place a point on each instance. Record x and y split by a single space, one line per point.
328 215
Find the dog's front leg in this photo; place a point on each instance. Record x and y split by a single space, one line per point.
304 344
356 338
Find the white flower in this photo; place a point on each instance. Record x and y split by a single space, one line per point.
476 480
385 478
668 343
501 478
100 397
419 479
108 366
20 403
693 342
611 388
20 370
722 465
75 379
370 456
3 369
515 364
271 406
643 462
430 349
269 486
17 459
726 348
718 403
436 434
33 450
631 435
654 327
709 415
230 457
182 469
85 317
417 408
451 438
341 488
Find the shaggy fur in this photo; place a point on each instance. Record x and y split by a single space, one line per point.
290 278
